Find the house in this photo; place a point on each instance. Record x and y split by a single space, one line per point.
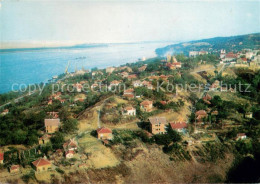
126 68
69 154
70 145
249 55
241 136
203 52
207 98
6 111
214 112
148 85
14 169
62 100
113 84
146 106
78 87
230 56
104 133
158 125
1 158
131 77
51 125
96 73
137 83
50 102
200 115
177 64
41 165
124 74
249 115
178 126
142 68
110 69
129 111
151 78
222 53
129 93
170 66
242 61
44 139
193 53
164 78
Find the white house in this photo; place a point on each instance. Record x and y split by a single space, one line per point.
129 111
137 83
241 136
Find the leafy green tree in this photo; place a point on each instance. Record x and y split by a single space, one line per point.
57 140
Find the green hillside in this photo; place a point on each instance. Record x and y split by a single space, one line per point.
233 43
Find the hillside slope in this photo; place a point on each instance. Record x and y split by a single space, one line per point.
234 43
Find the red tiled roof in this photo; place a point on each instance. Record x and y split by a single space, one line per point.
241 134
231 55
128 108
14 167
103 130
201 112
41 162
131 90
70 152
163 102
132 76
244 59
1 156
178 125
146 102
70 143
207 97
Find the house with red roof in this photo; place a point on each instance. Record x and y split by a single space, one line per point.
178 126
177 64
41 165
6 111
69 154
124 74
70 145
133 76
14 169
129 111
200 115
241 136
104 133
1 158
129 93
146 106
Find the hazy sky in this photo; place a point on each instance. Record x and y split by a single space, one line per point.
125 21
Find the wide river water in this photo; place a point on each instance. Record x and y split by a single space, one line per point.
35 66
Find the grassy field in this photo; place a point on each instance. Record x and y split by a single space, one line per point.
101 156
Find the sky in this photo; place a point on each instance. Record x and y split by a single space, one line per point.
80 21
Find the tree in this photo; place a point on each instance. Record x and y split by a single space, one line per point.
57 140
70 126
